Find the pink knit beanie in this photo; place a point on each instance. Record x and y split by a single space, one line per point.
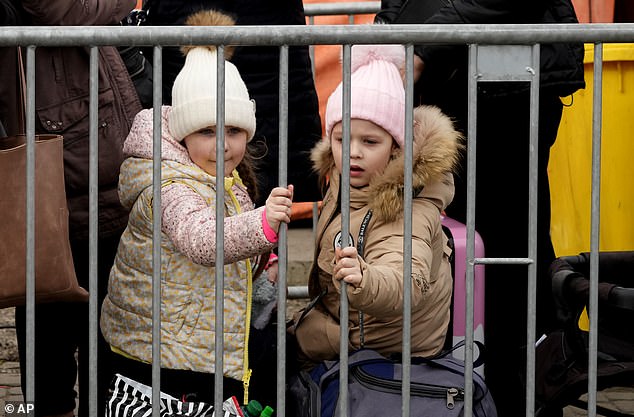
377 92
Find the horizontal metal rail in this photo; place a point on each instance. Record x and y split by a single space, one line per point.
315 34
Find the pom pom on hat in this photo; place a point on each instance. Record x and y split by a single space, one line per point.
194 90
365 54
209 18
377 92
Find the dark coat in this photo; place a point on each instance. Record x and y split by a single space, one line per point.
62 101
561 64
502 171
259 67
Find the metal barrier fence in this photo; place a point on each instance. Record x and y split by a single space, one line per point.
527 37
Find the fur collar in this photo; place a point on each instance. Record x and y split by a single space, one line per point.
437 152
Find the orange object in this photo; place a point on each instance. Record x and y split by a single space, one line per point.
304 210
594 11
328 72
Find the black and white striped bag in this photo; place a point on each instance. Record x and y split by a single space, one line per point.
130 398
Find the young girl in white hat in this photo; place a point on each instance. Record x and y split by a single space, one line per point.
189 183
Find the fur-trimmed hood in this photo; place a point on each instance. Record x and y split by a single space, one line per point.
437 152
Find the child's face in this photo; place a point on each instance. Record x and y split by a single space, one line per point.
370 150
201 147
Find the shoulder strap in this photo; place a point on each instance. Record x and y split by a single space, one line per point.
356 358
310 306
360 248
362 229
21 93
477 361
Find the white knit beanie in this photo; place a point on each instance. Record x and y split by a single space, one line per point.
194 91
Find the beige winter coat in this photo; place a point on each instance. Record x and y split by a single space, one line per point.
380 295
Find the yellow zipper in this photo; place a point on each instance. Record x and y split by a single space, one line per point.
246 371
246 377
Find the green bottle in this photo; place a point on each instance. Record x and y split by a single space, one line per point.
253 409
267 412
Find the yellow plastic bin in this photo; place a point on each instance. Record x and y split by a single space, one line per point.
571 159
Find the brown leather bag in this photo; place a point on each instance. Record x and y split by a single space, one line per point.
55 278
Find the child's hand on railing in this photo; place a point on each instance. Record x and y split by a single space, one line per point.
347 266
278 207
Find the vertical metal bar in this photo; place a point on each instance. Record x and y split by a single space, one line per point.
407 229
351 19
532 234
345 230
315 218
311 49
283 244
471 210
597 124
157 88
30 223
220 227
93 198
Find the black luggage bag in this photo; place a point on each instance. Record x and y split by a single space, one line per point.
562 358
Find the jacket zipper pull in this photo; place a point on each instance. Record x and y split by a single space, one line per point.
451 394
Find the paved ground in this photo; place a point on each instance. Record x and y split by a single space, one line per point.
9 367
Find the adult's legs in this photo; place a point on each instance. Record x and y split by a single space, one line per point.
55 366
502 221
107 248
60 330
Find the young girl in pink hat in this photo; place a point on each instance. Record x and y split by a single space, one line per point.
375 276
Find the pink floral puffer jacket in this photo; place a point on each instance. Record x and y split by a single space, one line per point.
188 259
